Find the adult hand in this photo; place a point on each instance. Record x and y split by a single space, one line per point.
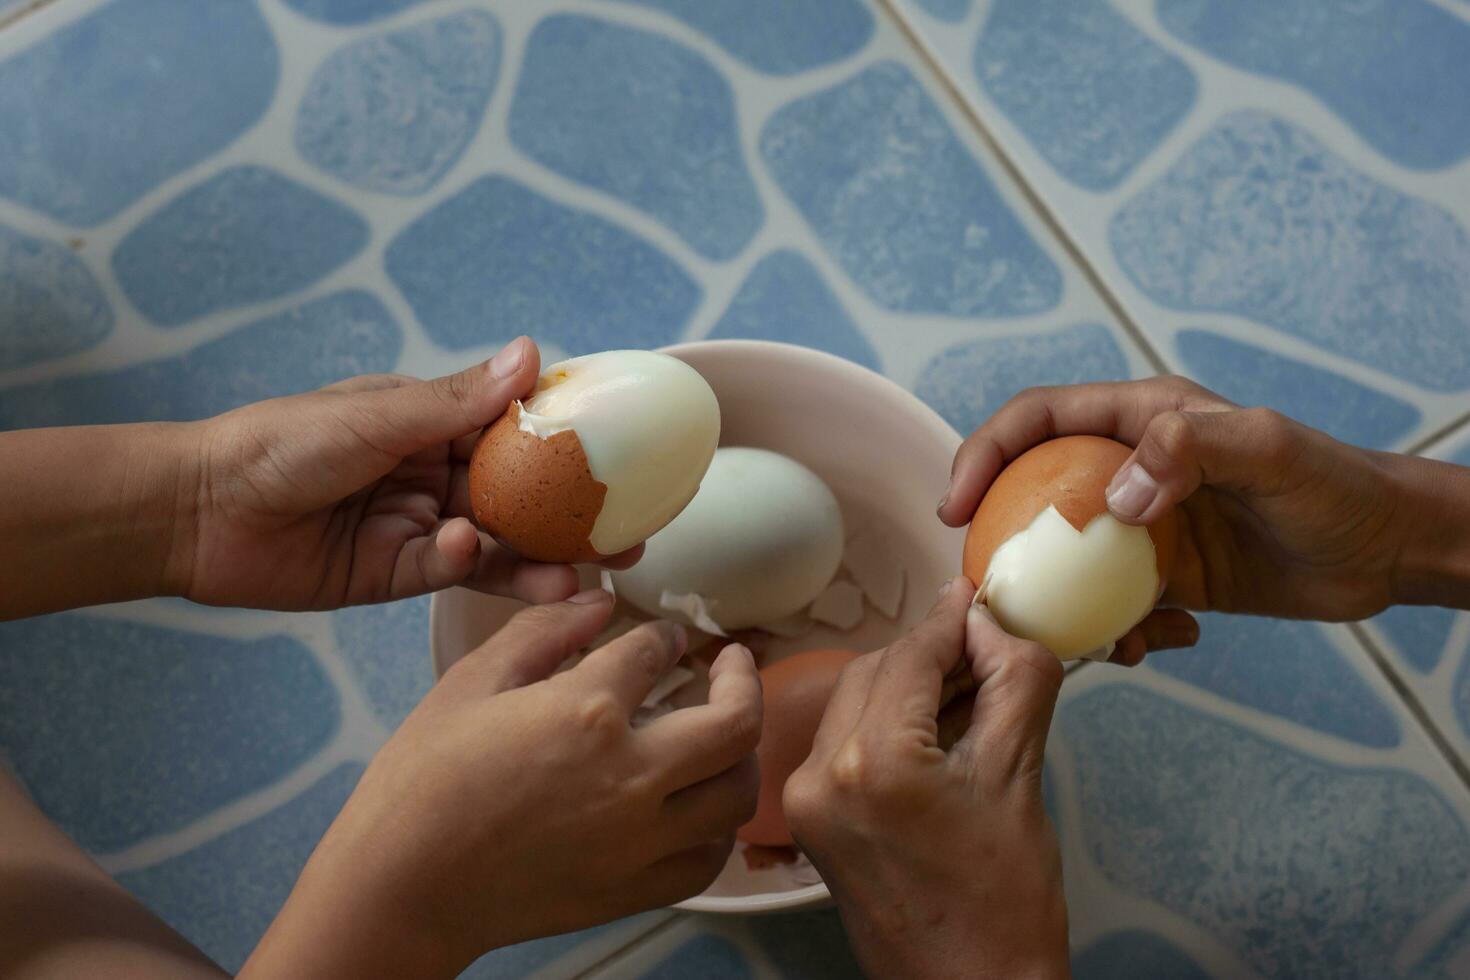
513 803
357 493
1276 518
942 861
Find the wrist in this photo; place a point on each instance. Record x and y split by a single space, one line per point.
1432 564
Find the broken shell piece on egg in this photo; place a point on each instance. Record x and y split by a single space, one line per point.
869 559
840 605
608 449
1052 563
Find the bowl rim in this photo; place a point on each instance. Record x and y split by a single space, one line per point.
808 896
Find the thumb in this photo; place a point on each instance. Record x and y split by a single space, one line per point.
1018 686
403 420
1180 451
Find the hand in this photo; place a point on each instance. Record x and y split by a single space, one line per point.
943 863
1276 518
358 493
512 804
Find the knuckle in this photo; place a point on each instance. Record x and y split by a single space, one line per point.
740 728
601 715
1172 433
1269 429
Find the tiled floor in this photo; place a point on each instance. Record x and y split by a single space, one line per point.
208 203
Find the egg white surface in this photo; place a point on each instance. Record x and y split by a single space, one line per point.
760 541
648 424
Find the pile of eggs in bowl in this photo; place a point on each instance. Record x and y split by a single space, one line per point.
623 447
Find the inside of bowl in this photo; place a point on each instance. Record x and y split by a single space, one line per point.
887 460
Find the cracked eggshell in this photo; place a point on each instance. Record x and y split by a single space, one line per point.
795 692
1055 566
607 450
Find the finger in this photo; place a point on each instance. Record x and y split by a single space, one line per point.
623 559
1018 682
678 876
369 382
500 571
904 699
1181 450
715 807
845 706
1118 410
1162 629
400 421
696 743
630 666
535 642
436 561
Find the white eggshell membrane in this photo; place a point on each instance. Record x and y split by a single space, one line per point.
760 541
648 424
1074 592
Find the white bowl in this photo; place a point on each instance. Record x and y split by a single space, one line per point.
885 454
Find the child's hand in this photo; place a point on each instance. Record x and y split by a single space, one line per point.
1276 518
357 493
942 861
512 805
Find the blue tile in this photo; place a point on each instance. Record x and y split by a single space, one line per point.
350 11
968 382
515 962
777 36
306 347
1449 959
953 11
707 956
1395 70
1130 955
223 894
643 119
1419 633
244 236
1285 668
1301 867
806 945
387 649
784 298
393 113
498 259
1249 375
1259 219
1460 700
901 204
107 108
122 731
1089 90
50 305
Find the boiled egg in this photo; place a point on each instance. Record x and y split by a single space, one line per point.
1052 563
795 692
759 542
605 452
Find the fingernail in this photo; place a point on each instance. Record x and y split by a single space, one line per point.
681 638
980 613
944 589
509 360
1131 492
589 597
942 501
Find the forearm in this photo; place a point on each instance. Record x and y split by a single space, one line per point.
93 514
1433 567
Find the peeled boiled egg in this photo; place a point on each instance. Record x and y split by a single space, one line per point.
795 691
608 448
760 541
1052 563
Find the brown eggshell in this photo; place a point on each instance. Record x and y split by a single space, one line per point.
536 495
796 691
1071 473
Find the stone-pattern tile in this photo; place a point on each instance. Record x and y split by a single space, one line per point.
180 235
1232 191
123 731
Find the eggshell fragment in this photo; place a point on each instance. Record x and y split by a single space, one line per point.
795 691
869 559
841 605
536 495
1055 566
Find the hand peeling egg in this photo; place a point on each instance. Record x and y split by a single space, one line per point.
1052 563
608 449
795 692
760 541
